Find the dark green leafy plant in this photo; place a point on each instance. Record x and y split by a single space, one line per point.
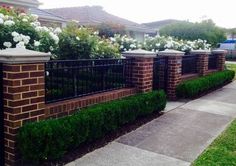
205 30
196 87
50 139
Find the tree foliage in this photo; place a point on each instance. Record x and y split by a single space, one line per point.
205 30
110 29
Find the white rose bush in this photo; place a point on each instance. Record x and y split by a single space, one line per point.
125 42
160 43
21 30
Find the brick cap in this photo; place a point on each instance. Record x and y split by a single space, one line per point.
219 51
168 52
200 52
139 53
20 55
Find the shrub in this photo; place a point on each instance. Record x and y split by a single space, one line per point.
205 30
50 139
18 29
84 43
160 43
196 87
110 29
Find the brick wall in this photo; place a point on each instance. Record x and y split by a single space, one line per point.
68 107
203 64
221 62
174 75
142 76
23 91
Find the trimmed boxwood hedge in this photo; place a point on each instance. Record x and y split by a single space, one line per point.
50 139
196 87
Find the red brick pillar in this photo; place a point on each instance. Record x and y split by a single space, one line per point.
142 69
174 71
220 58
202 64
23 94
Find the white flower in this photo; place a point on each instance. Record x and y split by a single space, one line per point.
57 30
24 20
35 24
132 46
1 20
14 34
6 17
9 23
36 43
45 29
96 33
77 38
51 48
34 16
17 38
2 16
54 37
112 39
7 44
25 39
121 47
20 45
38 29
158 44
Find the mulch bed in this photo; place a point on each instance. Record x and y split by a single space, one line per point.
91 146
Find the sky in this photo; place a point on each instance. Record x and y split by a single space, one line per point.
223 13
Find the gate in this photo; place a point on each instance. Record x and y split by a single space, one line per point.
1 118
160 73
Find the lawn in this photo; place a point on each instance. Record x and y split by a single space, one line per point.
222 152
231 67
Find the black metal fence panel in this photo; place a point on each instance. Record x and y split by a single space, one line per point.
1 118
160 73
66 79
212 62
189 64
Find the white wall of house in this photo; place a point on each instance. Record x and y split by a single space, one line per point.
139 36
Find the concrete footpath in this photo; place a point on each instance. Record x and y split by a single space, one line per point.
174 139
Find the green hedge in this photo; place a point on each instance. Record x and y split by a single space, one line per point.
50 139
196 87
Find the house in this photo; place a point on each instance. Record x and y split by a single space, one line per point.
31 6
95 15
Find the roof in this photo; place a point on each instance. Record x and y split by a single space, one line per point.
46 15
95 15
26 3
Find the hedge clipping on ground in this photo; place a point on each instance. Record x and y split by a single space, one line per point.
196 87
50 139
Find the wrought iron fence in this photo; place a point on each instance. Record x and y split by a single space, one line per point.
66 79
189 64
212 62
160 73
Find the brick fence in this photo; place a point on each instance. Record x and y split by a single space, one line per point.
24 88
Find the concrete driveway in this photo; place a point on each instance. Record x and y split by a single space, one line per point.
174 139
